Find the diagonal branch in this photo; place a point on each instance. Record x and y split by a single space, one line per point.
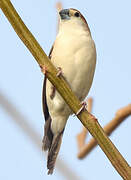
88 120
120 116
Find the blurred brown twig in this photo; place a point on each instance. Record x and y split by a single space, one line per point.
23 123
120 116
58 7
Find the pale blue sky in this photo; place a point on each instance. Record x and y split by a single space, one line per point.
21 81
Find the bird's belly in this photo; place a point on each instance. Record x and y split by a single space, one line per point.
78 69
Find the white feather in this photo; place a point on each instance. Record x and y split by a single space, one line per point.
74 51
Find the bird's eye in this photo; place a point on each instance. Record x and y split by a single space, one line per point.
76 14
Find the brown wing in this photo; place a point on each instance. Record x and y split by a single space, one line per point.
51 142
48 135
44 102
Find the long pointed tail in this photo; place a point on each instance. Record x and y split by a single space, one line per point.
48 135
53 152
51 142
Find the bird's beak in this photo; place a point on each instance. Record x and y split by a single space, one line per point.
64 14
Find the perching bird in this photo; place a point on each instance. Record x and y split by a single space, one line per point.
75 53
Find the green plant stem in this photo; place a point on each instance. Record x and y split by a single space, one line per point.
89 121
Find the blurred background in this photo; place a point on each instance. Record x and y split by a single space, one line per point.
21 117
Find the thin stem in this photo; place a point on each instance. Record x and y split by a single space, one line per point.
86 118
23 123
120 116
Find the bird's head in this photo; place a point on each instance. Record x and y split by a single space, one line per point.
74 16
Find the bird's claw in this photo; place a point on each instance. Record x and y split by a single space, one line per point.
43 69
83 107
59 73
53 90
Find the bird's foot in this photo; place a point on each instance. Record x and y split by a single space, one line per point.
83 107
59 73
43 69
53 90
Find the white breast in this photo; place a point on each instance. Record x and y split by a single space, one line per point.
75 53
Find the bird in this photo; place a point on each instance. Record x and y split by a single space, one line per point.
74 54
